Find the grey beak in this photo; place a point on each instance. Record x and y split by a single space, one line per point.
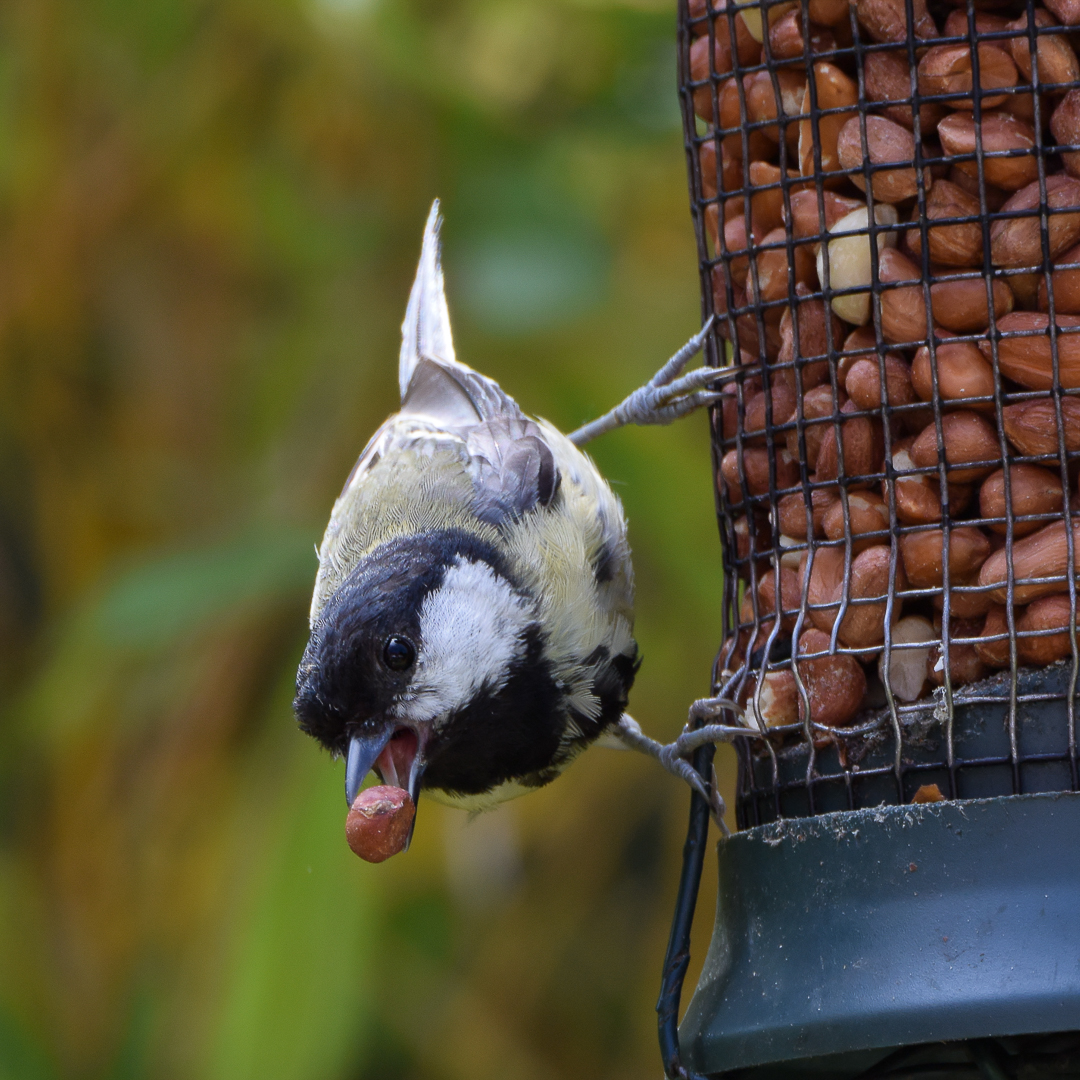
416 774
414 794
363 750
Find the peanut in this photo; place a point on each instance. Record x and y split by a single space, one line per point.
863 382
1047 613
830 13
735 247
1065 127
762 104
886 142
731 174
1033 491
1056 60
956 24
871 578
728 413
918 497
862 442
747 52
958 245
787 41
962 372
824 585
969 440
807 211
834 91
994 654
1068 11
818 404
791 512
1043 554
1065 281
790 597
960 135
947 69
1022 105
751 16
867 520
820 332
1017 241
835 685
379 822
721 284
960 304
771 281
749 336
767 196
863 339
782 401
777 702
755 471
887 78
886 20
903 309
734 115
995 197
922 553
908 668
1032 426
1028 360
966 601
863 625
927 793
849 265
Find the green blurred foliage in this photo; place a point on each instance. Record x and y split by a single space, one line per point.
210 212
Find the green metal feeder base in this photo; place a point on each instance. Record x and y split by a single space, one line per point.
845 936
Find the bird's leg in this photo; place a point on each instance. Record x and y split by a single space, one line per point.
674 756
629 734
664 398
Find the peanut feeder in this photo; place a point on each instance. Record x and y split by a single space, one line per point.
886 196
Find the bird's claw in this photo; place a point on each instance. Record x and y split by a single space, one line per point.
667 396
671 370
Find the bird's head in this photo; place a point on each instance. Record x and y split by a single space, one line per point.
427 665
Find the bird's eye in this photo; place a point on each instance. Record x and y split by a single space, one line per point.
398 653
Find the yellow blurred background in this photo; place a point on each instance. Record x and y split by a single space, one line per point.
210 213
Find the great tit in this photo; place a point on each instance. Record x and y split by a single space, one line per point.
472 620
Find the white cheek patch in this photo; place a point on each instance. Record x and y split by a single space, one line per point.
471 629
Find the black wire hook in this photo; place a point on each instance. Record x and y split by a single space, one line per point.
677 957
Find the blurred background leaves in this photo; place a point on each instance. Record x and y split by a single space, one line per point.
210 212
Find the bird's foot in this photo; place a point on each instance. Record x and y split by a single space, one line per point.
664 398
675 756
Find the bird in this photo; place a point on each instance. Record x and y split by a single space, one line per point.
471 626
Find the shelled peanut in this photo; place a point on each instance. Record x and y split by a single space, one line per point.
899 438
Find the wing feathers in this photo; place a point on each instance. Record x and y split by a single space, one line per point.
513 467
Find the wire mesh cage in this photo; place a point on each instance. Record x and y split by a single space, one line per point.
886 198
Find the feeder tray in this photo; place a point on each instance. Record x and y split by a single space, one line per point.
845 935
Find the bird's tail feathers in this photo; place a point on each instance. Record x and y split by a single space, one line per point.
433 382
425 333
